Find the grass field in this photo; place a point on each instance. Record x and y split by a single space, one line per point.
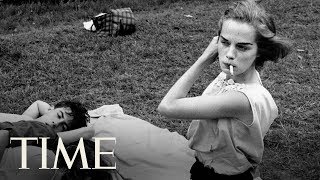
46 54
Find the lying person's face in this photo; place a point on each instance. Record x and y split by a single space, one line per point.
59 118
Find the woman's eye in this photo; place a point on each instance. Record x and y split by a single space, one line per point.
225 43
242 48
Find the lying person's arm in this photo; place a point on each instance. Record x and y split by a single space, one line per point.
74 135
8 117
34 111
37 109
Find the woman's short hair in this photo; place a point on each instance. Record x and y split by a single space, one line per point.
270 46
78 112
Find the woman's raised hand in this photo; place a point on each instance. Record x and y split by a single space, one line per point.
211 52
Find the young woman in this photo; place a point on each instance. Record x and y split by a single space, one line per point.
235 111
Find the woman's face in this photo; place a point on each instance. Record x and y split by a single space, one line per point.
237 47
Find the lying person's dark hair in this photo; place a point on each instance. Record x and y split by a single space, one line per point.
78 111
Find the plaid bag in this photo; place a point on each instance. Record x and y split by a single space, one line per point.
115 22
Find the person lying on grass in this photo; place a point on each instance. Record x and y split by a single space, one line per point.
235 111
67 120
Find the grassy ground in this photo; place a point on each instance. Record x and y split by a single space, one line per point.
46 54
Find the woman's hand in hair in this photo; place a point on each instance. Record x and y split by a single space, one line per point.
211 52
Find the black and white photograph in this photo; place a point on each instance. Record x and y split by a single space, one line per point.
159 90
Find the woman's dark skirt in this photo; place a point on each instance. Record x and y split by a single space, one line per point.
199 172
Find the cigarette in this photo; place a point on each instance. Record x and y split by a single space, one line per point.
231 70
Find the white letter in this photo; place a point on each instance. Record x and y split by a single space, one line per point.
23 149
66 157
98 153
44 152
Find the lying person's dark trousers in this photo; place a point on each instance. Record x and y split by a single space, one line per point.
199 172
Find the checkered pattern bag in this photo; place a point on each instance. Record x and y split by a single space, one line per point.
115 22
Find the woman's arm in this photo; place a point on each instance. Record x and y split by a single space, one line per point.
176 105
181 88
71 136
37 109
